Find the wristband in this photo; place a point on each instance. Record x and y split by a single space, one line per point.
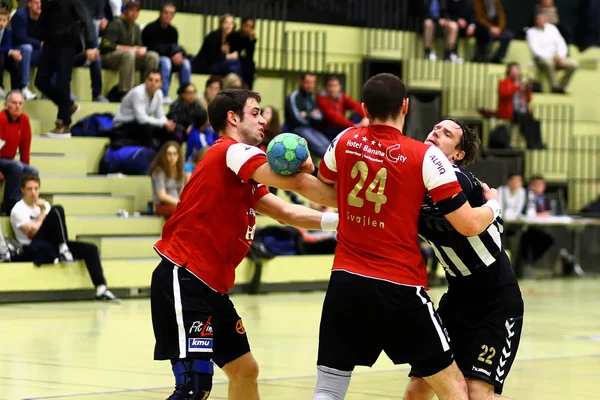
495 206
329 221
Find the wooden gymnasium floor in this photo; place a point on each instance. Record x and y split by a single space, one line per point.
87 350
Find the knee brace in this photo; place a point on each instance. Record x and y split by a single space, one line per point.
193 379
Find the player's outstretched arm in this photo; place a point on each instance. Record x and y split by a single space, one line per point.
296 215
473 221
301 183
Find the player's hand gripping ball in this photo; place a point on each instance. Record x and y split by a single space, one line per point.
286 153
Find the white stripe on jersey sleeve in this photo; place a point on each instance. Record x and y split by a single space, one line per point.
437 170
238 154
329 157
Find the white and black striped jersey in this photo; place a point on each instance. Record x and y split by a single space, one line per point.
463 257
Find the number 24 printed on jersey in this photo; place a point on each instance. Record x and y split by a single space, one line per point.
378 197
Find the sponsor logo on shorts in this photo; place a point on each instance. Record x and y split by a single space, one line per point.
205 329
203 345
239 327
482 371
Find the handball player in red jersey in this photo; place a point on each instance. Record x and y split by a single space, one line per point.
195 322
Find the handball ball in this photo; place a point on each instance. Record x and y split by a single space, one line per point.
286 153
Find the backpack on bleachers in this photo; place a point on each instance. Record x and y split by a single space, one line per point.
98 125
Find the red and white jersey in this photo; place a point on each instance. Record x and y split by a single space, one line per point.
214 222
382 177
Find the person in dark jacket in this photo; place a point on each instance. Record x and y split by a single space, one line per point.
243 42
182 111
62 23
27 37
215 56
162 37
491 26
302 114
9 56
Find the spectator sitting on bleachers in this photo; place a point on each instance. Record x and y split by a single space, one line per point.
549 51
140 127
273 126
166 171
192 161
548 8
9 55
212 88
27 37
512 197
514 97
201 135
302 114
122 48
462 12
334 103
162 37
243 42
183 109
60 23
491 26
42 231
15 133
215 55
232 81
436 15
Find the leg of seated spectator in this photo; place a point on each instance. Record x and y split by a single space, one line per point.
13 172
124 62
147 63
89 253
505 38
185 72
25 64
570 69
547 66
54 228
428 34
451 33
484 41
165 210
316 141
2 66
165 66
15 73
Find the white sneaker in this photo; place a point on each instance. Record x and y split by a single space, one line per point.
28 94
67 257
455 59
107 295
167 101
432 56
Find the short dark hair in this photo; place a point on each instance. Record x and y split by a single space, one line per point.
168 4
537 178
229 100
212 79
512 175
246 19
29 177
153 71
305 74
182 88
510 65
469 143
384 96
199 118
332 78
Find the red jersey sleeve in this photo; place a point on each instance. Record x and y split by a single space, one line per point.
244 159
260 192
439 176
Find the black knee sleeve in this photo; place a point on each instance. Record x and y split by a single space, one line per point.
193 379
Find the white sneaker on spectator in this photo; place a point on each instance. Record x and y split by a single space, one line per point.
167 101
432 56
455 59
100 99
28 94
2 94
107 295
74 98
66 257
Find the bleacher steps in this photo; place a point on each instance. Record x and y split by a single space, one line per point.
92 204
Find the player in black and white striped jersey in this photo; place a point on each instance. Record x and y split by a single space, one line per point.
483 308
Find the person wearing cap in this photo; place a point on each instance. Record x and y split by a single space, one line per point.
122 48
67 30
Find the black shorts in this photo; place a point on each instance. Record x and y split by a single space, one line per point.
363 316
191 320
484 335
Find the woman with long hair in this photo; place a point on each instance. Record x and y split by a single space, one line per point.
166 171
273 126
182 110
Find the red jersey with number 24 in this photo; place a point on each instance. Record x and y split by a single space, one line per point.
213 225
382 177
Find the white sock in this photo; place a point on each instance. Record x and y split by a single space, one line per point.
62 248
100 289
332 384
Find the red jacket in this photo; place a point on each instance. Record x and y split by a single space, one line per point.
334 110
16 134
506 90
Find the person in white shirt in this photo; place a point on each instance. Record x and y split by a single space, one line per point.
512 197
42 232
549 51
